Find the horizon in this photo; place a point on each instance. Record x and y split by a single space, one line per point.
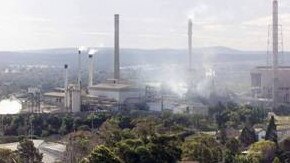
142 49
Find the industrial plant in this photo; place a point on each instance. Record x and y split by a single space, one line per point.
193 90
169 86
270 84
109 95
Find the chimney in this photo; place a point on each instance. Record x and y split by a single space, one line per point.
66 86
190 44
116 50
91 70
275 52
79 68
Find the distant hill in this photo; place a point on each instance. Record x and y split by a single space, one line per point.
136 56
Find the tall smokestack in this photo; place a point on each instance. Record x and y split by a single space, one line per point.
91 70
275 53
66 104
79 67
190 44
116 56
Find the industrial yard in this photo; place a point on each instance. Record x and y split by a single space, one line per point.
137 87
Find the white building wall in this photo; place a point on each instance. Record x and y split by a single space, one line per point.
76 101
263 88
120 96
109 94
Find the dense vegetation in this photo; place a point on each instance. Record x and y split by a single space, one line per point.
144 137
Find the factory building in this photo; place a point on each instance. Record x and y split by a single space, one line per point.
54 98
122 91
262 83
109 94
271 84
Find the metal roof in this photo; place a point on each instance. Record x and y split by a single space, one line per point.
112 87
54 94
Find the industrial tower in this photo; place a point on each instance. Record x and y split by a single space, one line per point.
116 50
190 68
275 28
190 45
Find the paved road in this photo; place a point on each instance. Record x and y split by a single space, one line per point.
51 151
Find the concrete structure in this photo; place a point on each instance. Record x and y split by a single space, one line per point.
66 99
74 98
98 103
54 98
108 94
275 54
91 70
116 50
120 92
190 44
262 84
271 83
79 67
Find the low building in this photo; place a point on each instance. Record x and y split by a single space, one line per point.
54 98
262 83
121 92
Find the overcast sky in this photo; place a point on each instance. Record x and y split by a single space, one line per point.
146 24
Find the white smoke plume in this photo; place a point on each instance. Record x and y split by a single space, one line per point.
93 51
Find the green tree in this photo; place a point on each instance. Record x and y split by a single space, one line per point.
102 154
262 151
156 149
232 149
7 156
229 156
110 132
145 127
28 153
222 135
248 136
133 151
36 122
203 148
165 149
242 159
199 152
271 133
67 125
276 160
233 145
284 151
